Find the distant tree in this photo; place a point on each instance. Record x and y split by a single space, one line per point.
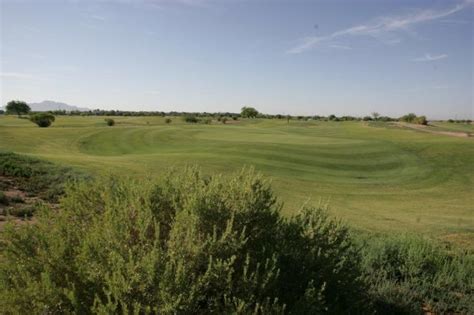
2 111
43 119
168 120
109 121
367 118
190 119
408 118
332 117
224 120
17 107
375 115
421 120
249 112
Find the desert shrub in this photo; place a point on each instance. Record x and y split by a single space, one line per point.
183 244
109 121
36 176
17 199
168 120
224 120
190 119
22 212
4 199
42 119
406 272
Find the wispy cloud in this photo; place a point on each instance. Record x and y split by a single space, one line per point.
429 57
381 27
339 46
97 17
16 75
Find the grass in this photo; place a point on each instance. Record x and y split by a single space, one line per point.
377 179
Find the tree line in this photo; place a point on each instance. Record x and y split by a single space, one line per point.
19 107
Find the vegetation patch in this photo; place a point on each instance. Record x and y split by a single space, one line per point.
37 177
193 244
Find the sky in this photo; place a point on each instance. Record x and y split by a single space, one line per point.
289 57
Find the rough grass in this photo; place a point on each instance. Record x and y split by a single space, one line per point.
377 179
35 176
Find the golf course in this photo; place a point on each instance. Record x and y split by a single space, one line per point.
377 177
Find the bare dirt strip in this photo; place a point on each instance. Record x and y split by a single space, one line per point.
425 129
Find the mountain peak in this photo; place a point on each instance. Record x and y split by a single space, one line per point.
48 105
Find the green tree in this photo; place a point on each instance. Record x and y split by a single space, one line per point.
248 112
17 107
43 119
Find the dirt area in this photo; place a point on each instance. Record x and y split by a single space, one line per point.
425 129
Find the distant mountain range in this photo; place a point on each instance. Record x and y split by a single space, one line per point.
45 106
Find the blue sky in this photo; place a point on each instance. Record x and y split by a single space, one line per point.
292 57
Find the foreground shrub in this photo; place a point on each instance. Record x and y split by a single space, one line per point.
406 272
42 119
186 244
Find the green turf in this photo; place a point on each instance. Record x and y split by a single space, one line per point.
375 178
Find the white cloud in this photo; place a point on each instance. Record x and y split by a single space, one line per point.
429 57
381 27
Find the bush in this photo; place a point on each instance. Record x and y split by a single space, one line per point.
42 119
168 120
22 212
17 199
406 272
224 120
4 199
187 244
109 121
421 120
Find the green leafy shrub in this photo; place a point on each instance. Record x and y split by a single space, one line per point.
168 120
185 244
224 120
407 272
109 121
43 120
